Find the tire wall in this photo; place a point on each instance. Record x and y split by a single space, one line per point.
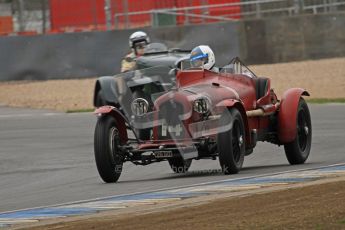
92 54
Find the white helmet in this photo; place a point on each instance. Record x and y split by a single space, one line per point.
138 37
202 55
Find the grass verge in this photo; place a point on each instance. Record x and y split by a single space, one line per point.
325 100
80 110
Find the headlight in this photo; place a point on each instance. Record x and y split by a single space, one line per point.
139 106
202 105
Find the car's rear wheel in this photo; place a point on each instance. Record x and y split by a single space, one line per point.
298 150
106 147
231 142
179 165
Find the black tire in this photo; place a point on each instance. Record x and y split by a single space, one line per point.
143 134
179 165
231 142
108 158
298 150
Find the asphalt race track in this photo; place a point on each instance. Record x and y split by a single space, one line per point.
46 158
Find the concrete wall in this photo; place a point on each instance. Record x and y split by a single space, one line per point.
94 54
293 39
100 53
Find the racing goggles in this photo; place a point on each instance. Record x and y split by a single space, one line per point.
141 45
199 60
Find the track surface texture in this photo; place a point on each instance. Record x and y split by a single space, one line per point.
47 158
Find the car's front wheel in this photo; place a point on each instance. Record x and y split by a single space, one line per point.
108 157
231 142
298 150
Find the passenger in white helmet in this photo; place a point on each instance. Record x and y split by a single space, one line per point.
137 43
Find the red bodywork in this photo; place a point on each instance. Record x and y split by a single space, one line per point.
265 117
288 113
239 90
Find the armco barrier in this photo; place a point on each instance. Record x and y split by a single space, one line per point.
90 54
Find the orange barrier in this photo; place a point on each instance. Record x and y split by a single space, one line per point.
6 25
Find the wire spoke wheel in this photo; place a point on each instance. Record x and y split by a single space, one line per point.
237 141
230 143
114 142
302 130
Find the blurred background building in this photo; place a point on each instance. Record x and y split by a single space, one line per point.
28 17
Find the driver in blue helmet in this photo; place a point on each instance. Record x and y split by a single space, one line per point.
202 56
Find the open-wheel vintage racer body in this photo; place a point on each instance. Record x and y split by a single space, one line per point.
207 115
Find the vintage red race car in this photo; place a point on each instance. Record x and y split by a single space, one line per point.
207 114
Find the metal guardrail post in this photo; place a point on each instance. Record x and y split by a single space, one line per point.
44 16
258 10
325 8
186 17
125 10
94 13
298 6
116 25
205 11
21 15
153 18
107 11
330 7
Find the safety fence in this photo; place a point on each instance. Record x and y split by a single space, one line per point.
22 17
255 41
222 11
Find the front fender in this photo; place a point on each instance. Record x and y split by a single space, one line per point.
121 120
106 86
233 103
287 115
227 103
